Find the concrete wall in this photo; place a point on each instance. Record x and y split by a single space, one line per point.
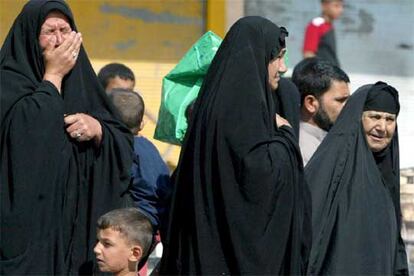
234 11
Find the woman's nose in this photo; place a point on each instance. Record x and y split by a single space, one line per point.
59 38
282 66
381 125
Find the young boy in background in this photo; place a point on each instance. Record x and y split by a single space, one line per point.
151 186
320 40
116 75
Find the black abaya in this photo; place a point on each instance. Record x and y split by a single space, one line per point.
355 200
239 201
53 189
287 100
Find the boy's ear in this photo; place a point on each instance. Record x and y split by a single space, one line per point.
136 253
143 122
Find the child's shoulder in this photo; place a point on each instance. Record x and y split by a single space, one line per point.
142 139
143 142
318 21
319 25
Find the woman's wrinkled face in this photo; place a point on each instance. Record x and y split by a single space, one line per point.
379 128
56 25
275 68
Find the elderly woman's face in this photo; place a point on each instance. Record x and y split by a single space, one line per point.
56 25
379 128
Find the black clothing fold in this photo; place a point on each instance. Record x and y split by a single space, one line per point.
239 199
355 200
287 101
53 188
327 48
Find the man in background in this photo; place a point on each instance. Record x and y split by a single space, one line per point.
324 89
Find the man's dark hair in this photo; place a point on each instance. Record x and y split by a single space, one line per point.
314 76
130 105
113 70
133 225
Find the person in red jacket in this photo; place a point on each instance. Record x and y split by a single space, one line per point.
320 38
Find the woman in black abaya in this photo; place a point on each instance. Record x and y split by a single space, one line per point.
65 157
239 201
355 190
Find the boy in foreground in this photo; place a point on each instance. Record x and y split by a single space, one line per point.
124 238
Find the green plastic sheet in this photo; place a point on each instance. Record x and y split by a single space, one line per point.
180 88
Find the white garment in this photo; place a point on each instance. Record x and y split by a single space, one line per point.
310 137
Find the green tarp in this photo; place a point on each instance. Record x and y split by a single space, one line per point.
180 88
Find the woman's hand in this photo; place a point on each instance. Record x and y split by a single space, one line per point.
83 127
280 121
60 60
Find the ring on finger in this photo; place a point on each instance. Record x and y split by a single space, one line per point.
74 54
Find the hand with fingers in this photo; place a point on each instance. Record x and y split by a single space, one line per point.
83 127
60 59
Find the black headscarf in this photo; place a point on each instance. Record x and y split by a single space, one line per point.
355 199
383 98
239 201
53 188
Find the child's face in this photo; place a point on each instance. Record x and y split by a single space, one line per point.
112 252
333 9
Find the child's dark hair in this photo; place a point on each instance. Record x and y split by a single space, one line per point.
132 224
113 70
130 105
